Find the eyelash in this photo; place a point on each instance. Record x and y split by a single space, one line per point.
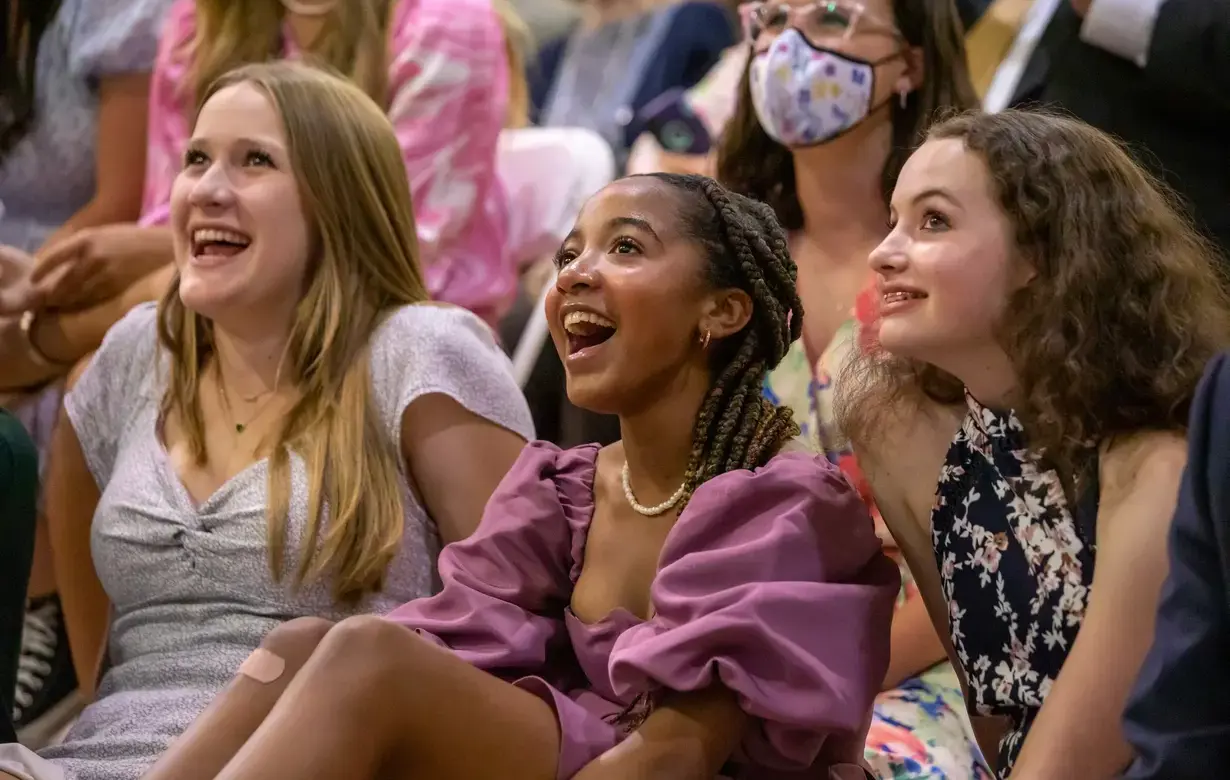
196 157
928 215
565 256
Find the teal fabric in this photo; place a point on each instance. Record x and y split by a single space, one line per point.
18 493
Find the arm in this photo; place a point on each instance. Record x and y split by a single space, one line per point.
1172 41
456 460
1078 733
505 586
71 496
688 737
1178 717
67 337
123 102
916 645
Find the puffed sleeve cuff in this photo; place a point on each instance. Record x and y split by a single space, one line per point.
772 583
506 586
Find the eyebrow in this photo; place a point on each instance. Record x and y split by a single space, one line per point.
617 222
197 140
938 192
634 222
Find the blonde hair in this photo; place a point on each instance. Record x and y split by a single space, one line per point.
518 42
232 33
356 200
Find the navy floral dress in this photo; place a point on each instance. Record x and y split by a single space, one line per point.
1016 567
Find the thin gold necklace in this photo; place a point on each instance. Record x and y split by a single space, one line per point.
225 400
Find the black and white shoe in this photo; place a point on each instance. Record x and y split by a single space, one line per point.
46 696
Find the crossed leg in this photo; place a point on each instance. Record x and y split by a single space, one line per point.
372 700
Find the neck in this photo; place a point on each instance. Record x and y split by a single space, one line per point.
839 185
599 12
250 365
989 377
657 440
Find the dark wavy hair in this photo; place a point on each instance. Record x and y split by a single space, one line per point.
737 427
753 164
18 60
1126 306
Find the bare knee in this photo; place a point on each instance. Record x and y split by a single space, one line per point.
285 649
298 637
373 647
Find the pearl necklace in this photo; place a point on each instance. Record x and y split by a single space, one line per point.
650 511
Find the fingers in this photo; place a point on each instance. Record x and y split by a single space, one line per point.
14 264
66 251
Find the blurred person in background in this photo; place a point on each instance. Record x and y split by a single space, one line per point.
833 100
1178 716
1155 73
621 55
74 93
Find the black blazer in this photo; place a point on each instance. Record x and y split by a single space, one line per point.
1175 112
1178 716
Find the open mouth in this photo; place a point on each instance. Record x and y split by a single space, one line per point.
586 330
213 244
898 297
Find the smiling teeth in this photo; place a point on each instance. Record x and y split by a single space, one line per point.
893 297
205 236
575 318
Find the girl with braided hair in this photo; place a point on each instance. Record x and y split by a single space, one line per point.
699 599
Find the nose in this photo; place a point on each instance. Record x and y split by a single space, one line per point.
213 189
581 273
890 256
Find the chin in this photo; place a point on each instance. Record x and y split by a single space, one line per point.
901 340
593 394
204 298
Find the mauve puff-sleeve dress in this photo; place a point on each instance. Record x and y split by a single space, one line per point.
772 582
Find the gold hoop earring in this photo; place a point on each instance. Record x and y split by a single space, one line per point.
704 340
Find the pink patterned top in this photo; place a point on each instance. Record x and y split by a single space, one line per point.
448 95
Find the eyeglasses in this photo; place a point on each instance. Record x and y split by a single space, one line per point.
817 20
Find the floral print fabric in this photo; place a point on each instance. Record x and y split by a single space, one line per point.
1015 566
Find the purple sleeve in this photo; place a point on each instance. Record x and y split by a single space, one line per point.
772 583
505 587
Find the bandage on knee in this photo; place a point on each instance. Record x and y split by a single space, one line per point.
263 666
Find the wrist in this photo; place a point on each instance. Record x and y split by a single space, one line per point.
33 327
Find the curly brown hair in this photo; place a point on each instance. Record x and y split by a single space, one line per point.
753 164
1126 306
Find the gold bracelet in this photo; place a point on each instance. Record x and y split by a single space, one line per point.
37 355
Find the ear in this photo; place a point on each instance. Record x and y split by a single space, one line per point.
912 76
725 313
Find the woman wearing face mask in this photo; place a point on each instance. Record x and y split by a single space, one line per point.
293 431
835 96
1045 313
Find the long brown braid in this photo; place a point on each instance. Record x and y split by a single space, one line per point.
737 427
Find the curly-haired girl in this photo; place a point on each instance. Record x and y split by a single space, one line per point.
1045 313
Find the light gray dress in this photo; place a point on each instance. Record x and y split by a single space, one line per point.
190 585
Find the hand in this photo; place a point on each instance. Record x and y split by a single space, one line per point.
1082 7
90 266
16 291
